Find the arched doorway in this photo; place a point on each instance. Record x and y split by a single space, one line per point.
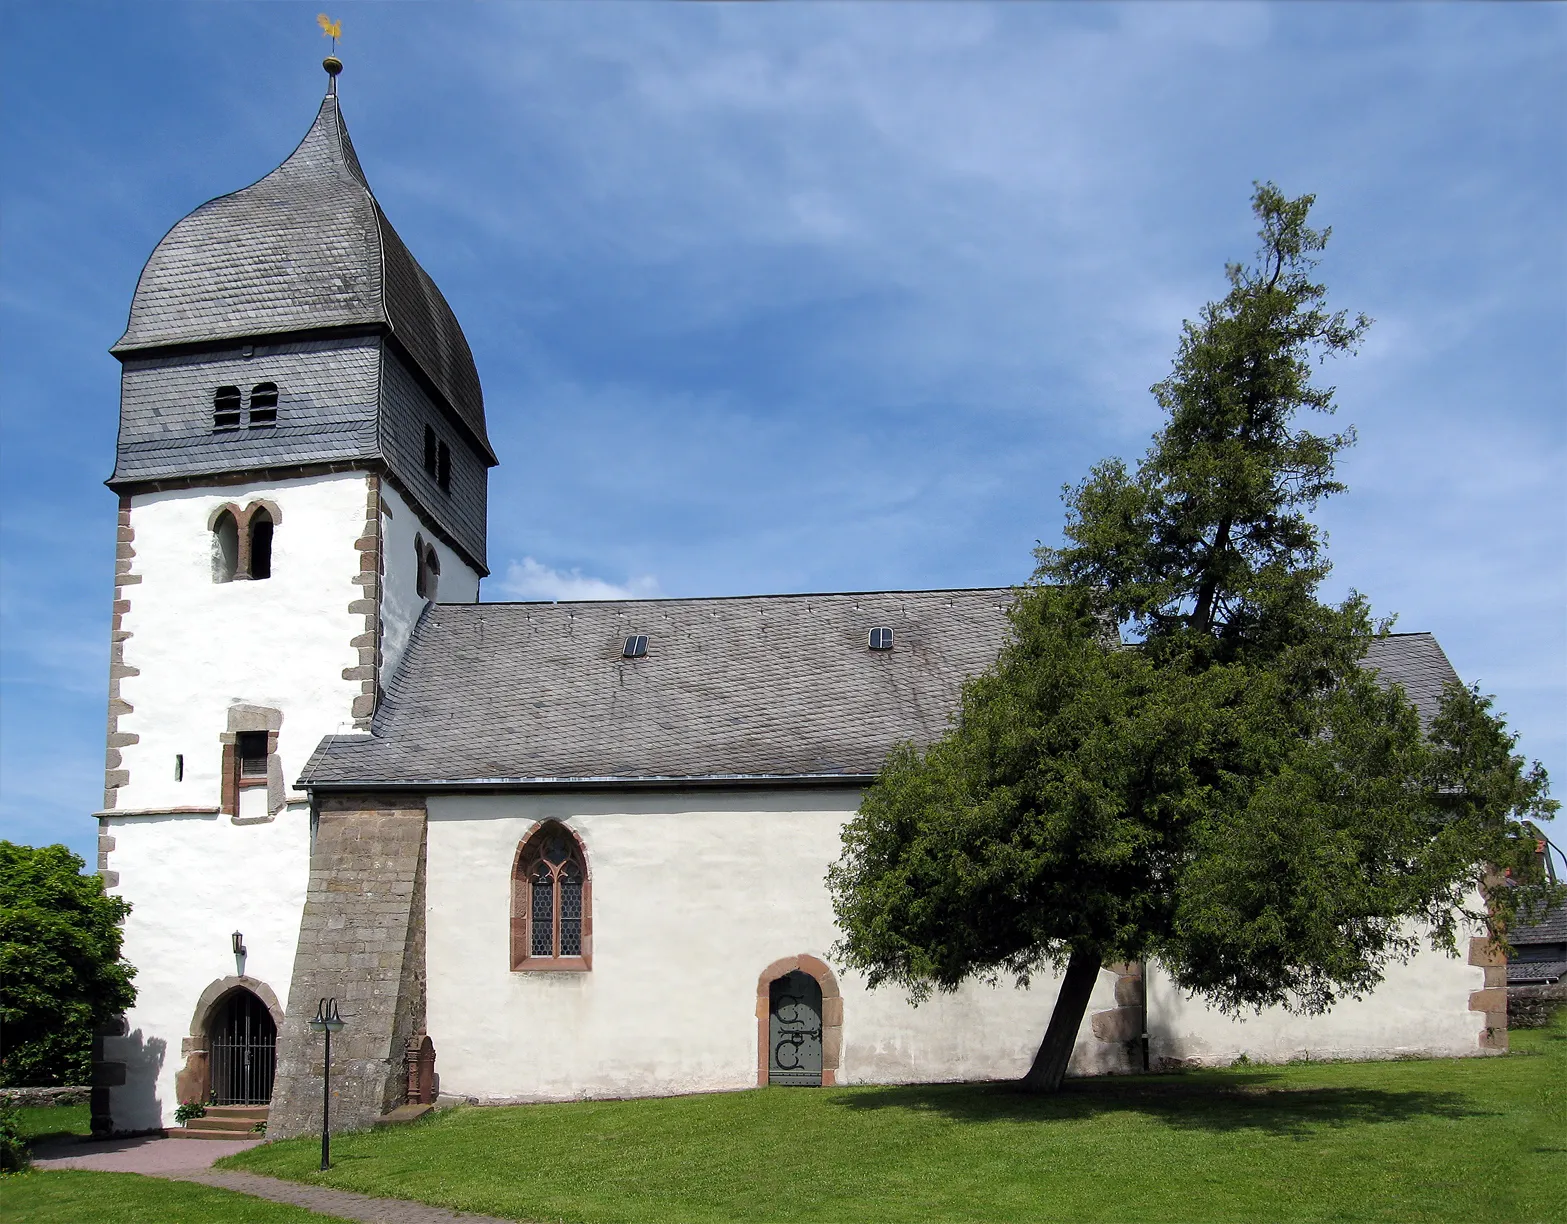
799 1023
242 1050
794 1030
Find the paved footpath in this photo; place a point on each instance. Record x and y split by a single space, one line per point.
191 1160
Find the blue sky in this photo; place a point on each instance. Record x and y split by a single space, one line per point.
820 297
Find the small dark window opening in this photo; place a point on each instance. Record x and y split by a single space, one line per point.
225 408
432 574
179 767
881 639
443 467
263 405
635 647
419 579
251 748
261 545
429 451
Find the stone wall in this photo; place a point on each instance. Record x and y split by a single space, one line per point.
78 1095
362 942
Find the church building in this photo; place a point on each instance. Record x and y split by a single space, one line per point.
535 851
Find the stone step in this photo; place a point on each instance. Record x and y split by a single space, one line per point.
232 1126
195 1132
404 1113
256 1113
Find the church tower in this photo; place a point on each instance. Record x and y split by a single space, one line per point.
302 466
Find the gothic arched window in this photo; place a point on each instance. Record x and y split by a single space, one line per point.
551 907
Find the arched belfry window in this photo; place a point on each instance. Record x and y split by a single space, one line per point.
551 910
225 408
260 543
225 547
263 405
242 540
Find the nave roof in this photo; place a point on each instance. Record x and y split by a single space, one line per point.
771 687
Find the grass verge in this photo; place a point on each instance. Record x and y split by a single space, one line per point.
71 1196
1476 1139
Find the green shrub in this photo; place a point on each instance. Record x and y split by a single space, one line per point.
14 1156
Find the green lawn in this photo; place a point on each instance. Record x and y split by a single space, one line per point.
72 1196
1462 1139
43 1123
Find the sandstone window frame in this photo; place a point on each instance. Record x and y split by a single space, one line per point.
251 722
241 540
550 850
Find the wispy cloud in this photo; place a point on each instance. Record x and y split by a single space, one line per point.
529 579
816 297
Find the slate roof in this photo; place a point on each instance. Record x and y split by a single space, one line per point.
1416 661
1552 928
763 687
1535 973
304 249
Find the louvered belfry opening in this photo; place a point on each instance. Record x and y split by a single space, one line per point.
242 1045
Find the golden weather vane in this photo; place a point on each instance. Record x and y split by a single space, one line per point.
333 30
330 29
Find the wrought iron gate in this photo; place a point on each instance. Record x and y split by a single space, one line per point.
242 1051
794 1030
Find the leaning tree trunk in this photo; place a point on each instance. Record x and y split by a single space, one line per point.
1082 971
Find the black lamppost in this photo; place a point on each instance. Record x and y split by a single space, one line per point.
327 1021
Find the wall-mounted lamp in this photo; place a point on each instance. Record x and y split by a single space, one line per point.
239 954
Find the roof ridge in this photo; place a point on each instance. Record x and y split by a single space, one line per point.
549 603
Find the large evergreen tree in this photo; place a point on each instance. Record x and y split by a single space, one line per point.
61 973
1231 793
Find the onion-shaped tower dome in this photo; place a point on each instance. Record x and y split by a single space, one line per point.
306 251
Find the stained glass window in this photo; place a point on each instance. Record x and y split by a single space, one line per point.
555 907
570 911
543 924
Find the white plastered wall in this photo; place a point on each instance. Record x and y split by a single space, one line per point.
192 881
199 648
1420 1009
401 603
202 646
695 894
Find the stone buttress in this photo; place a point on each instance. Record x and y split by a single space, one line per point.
361 941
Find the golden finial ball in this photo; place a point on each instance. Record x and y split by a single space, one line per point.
332 64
